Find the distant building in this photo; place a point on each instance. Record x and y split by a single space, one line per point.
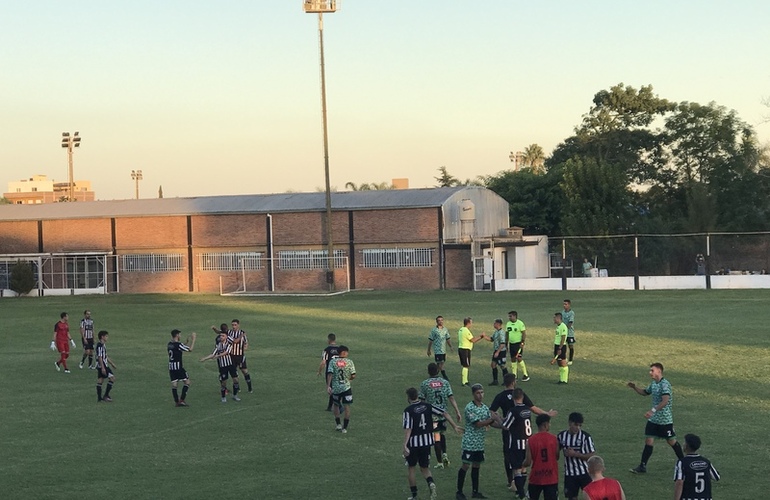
39 189
400 239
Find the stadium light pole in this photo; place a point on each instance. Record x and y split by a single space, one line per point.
70 141
320 7
136 175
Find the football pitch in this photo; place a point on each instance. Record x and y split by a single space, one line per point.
279 442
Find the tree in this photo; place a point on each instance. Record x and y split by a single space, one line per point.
617 130
535 201
22 277
534 158
597 198
160 192
445 179
4 201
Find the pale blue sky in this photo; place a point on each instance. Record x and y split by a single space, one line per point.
224 97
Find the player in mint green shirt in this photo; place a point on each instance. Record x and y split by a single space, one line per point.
560 348
477 418
438 340
499 355
338 376
438 392
660 419
568 317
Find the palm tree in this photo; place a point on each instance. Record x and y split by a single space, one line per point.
534 158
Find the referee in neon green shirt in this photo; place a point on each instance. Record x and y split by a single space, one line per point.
465 341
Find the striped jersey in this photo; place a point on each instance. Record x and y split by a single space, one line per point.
225 360
238 340
418 417
329 352
87 325
519 426
582 443
101 354
175 350
697 473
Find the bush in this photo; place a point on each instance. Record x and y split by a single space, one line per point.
22 277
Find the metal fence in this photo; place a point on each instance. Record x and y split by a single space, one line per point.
662 254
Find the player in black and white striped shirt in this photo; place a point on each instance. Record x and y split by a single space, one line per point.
578 446
176 369
239 343
418 438
226 367
104 369
87 336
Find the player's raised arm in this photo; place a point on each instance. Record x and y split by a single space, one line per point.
637 389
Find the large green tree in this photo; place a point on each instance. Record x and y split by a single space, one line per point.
535 200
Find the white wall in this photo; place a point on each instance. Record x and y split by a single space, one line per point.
645 283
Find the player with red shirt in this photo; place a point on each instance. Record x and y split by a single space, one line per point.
61 341
543 457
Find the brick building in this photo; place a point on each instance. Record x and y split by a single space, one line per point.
390 239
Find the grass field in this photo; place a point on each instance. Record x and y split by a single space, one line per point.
57 442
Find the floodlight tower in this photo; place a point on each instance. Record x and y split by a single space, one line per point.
70 141
136 175
320 7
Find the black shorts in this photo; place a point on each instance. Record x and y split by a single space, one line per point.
516 350
516 458
102 376
472 457
238 360
88 344
243 366
500 359
343 398
439 425
227 371
439 358
560 351
175 375
465 357
573 484
663 431
419 456
549 491
570 340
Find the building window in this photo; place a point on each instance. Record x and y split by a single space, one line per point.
230 261
397 257
309 259
151 263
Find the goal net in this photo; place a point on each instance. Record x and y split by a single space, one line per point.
293 273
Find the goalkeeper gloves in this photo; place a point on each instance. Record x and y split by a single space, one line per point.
53 345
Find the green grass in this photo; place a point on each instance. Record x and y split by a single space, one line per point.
280 443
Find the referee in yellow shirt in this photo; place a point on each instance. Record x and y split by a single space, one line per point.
465 341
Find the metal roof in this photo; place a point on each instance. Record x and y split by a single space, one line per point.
235 204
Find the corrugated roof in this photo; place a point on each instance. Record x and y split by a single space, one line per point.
234 204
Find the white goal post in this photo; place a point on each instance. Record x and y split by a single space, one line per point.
293 273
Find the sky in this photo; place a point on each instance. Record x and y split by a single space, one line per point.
217 98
